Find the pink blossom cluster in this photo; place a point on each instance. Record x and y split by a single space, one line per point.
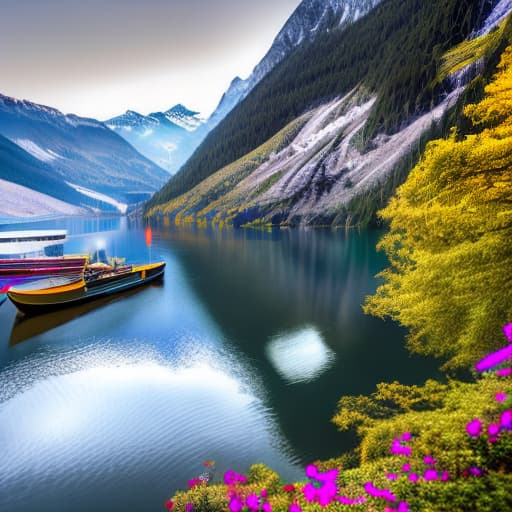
236 499
398 447
475 428
253 502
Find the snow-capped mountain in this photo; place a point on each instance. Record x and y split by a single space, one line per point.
178 115
131 120
304 159
167 138
311 18
80 152
184 117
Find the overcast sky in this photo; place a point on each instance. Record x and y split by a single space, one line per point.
99 58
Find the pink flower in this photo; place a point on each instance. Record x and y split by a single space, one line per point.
406 436
294 507
501 397
379 493
189 507
266 507
327 493
169 505
309 491
474 427
493 429
344 500
253 502
413 477
504 372
328 476
507 330
494 359
430 461
235 504
398 449
289 488
445 476
230 477
403 506
391 476
406 468
475 471
506 419
263 493
311 471
194 482
430 474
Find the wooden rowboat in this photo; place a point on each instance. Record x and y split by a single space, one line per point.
61 292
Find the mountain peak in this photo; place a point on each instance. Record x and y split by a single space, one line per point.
310 18
181 110
183 117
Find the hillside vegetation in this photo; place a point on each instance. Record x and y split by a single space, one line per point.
395 51
449 240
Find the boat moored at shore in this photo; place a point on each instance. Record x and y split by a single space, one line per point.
96 281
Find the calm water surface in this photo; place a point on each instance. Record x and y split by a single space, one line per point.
239 355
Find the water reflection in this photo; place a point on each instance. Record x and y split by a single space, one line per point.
256 284
134 420
300 356
25 327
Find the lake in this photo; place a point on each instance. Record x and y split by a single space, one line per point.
240 355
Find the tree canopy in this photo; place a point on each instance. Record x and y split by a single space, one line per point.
449 243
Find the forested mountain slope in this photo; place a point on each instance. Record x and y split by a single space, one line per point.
372 92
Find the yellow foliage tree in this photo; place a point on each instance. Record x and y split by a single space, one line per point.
450 238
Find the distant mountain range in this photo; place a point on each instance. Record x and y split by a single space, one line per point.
89 165
167 138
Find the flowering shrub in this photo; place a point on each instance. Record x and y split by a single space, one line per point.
457 458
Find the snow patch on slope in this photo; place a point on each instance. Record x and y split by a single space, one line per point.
498 14
122 207
37 151
19 201
322 169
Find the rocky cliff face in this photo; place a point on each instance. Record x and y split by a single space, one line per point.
310 179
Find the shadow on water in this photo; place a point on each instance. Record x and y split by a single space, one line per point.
25 327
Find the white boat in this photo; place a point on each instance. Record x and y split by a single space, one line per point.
32 244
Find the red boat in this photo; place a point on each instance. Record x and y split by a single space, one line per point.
16 270
29 255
